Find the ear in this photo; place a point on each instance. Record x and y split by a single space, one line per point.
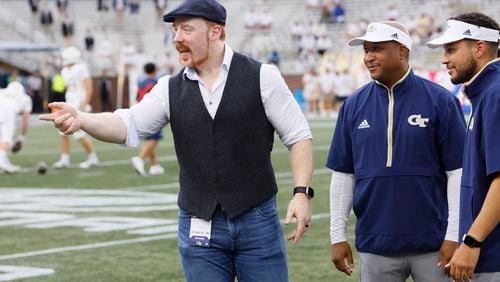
403 52
479 49
215 32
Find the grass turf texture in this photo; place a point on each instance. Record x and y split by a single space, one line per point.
155 260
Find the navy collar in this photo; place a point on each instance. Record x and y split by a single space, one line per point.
403 83
474 87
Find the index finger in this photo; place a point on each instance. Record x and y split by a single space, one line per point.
48 117
299 230
57 105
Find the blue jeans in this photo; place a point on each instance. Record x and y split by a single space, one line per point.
250 247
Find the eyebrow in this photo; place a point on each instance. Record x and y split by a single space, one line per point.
182 25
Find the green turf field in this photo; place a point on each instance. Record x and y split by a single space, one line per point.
110 224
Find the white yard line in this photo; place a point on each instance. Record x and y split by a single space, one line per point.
14 272
87 246
111 243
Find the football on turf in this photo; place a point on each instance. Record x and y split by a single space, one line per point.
17 146
41 167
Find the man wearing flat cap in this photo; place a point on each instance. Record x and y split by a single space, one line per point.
470 46
396 157
223 109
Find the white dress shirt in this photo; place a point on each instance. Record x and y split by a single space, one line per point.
282 111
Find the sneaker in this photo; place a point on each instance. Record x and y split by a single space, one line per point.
138 164
9 168
156 170
90 162
61 164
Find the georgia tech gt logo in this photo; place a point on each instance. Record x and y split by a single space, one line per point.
418 120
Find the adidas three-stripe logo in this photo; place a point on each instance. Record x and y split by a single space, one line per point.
363 124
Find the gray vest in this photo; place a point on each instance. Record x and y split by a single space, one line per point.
223 161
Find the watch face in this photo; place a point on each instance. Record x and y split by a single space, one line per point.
310 192
471 241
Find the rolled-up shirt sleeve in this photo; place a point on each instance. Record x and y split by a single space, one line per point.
281 108
148 116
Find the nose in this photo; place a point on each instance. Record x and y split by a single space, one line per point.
178 35
444 59
368 57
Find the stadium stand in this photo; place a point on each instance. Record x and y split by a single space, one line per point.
144 31
152 39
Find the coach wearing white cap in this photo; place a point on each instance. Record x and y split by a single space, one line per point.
396 157
224 109
470 54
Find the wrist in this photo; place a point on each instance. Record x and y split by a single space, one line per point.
306 190
336 240
471 241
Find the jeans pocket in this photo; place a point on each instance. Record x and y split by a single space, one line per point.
183 214
267 208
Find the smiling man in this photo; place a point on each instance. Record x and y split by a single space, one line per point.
396 157
470 54
224 109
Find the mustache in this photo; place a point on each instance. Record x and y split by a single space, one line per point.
181 47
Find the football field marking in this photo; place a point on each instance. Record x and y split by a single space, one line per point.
285 175
110 243
14 272
84 200
88 246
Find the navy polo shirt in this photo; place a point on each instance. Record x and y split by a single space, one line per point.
398 143
482 159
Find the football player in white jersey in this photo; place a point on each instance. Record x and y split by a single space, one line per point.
13 101
78 93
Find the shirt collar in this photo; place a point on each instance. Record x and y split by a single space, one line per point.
401 82
473 91
191 74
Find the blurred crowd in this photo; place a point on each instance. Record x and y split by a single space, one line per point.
318 53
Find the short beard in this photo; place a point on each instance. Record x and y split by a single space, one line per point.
201 60
467 74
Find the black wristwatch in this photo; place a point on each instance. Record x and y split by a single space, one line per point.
309 191
471 241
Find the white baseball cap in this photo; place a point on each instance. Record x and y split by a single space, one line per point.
70 55
381 32
458 30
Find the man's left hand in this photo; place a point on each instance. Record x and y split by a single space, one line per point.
445 254
463 263
300 209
